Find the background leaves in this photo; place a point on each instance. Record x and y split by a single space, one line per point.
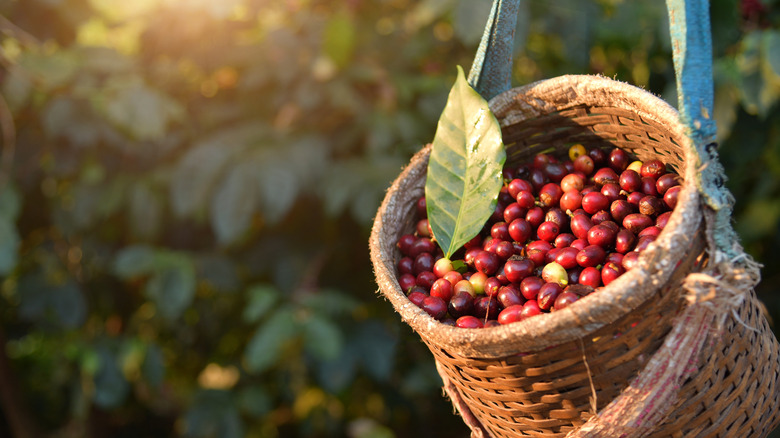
10 205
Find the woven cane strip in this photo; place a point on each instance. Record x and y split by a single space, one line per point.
735 391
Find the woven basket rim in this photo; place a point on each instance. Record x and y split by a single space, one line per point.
584 89
596 310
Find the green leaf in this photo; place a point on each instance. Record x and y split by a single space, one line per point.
339 39
279 186
760 219
727 23
41 301
262 298
69 304
771 42
282 175
727 95
131 357
172 289
770 56
255 401
365 427
146 211
33 300
140 110
10 205
76 121
309 155
153 366
377 347
329 302
337 374
105 60
751 90
219 271
86 201
196 175
113 196
17 88
265 347
9 246
341 181
357 186
235 203
58 115
420 378
725 108
213 413
52 70
365 203
322 338
464 170
426 12
579 18
374 183
134 261
111 387
10 202
89 361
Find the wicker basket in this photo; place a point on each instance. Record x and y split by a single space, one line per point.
677 346
543 376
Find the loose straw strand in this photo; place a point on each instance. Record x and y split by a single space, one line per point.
594 396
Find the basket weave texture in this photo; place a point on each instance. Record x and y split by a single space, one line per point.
652 354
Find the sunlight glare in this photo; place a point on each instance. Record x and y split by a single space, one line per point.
218 9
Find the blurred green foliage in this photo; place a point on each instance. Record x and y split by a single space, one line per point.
186 191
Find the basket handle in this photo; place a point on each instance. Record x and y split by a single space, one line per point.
689 27
690 32
491 72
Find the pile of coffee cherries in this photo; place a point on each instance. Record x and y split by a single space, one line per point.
561 229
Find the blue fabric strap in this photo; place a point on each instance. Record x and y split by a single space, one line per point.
491 72
689 25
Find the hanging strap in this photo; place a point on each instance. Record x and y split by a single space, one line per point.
689 25
491 73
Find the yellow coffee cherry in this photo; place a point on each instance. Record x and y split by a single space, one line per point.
635 166
576 150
